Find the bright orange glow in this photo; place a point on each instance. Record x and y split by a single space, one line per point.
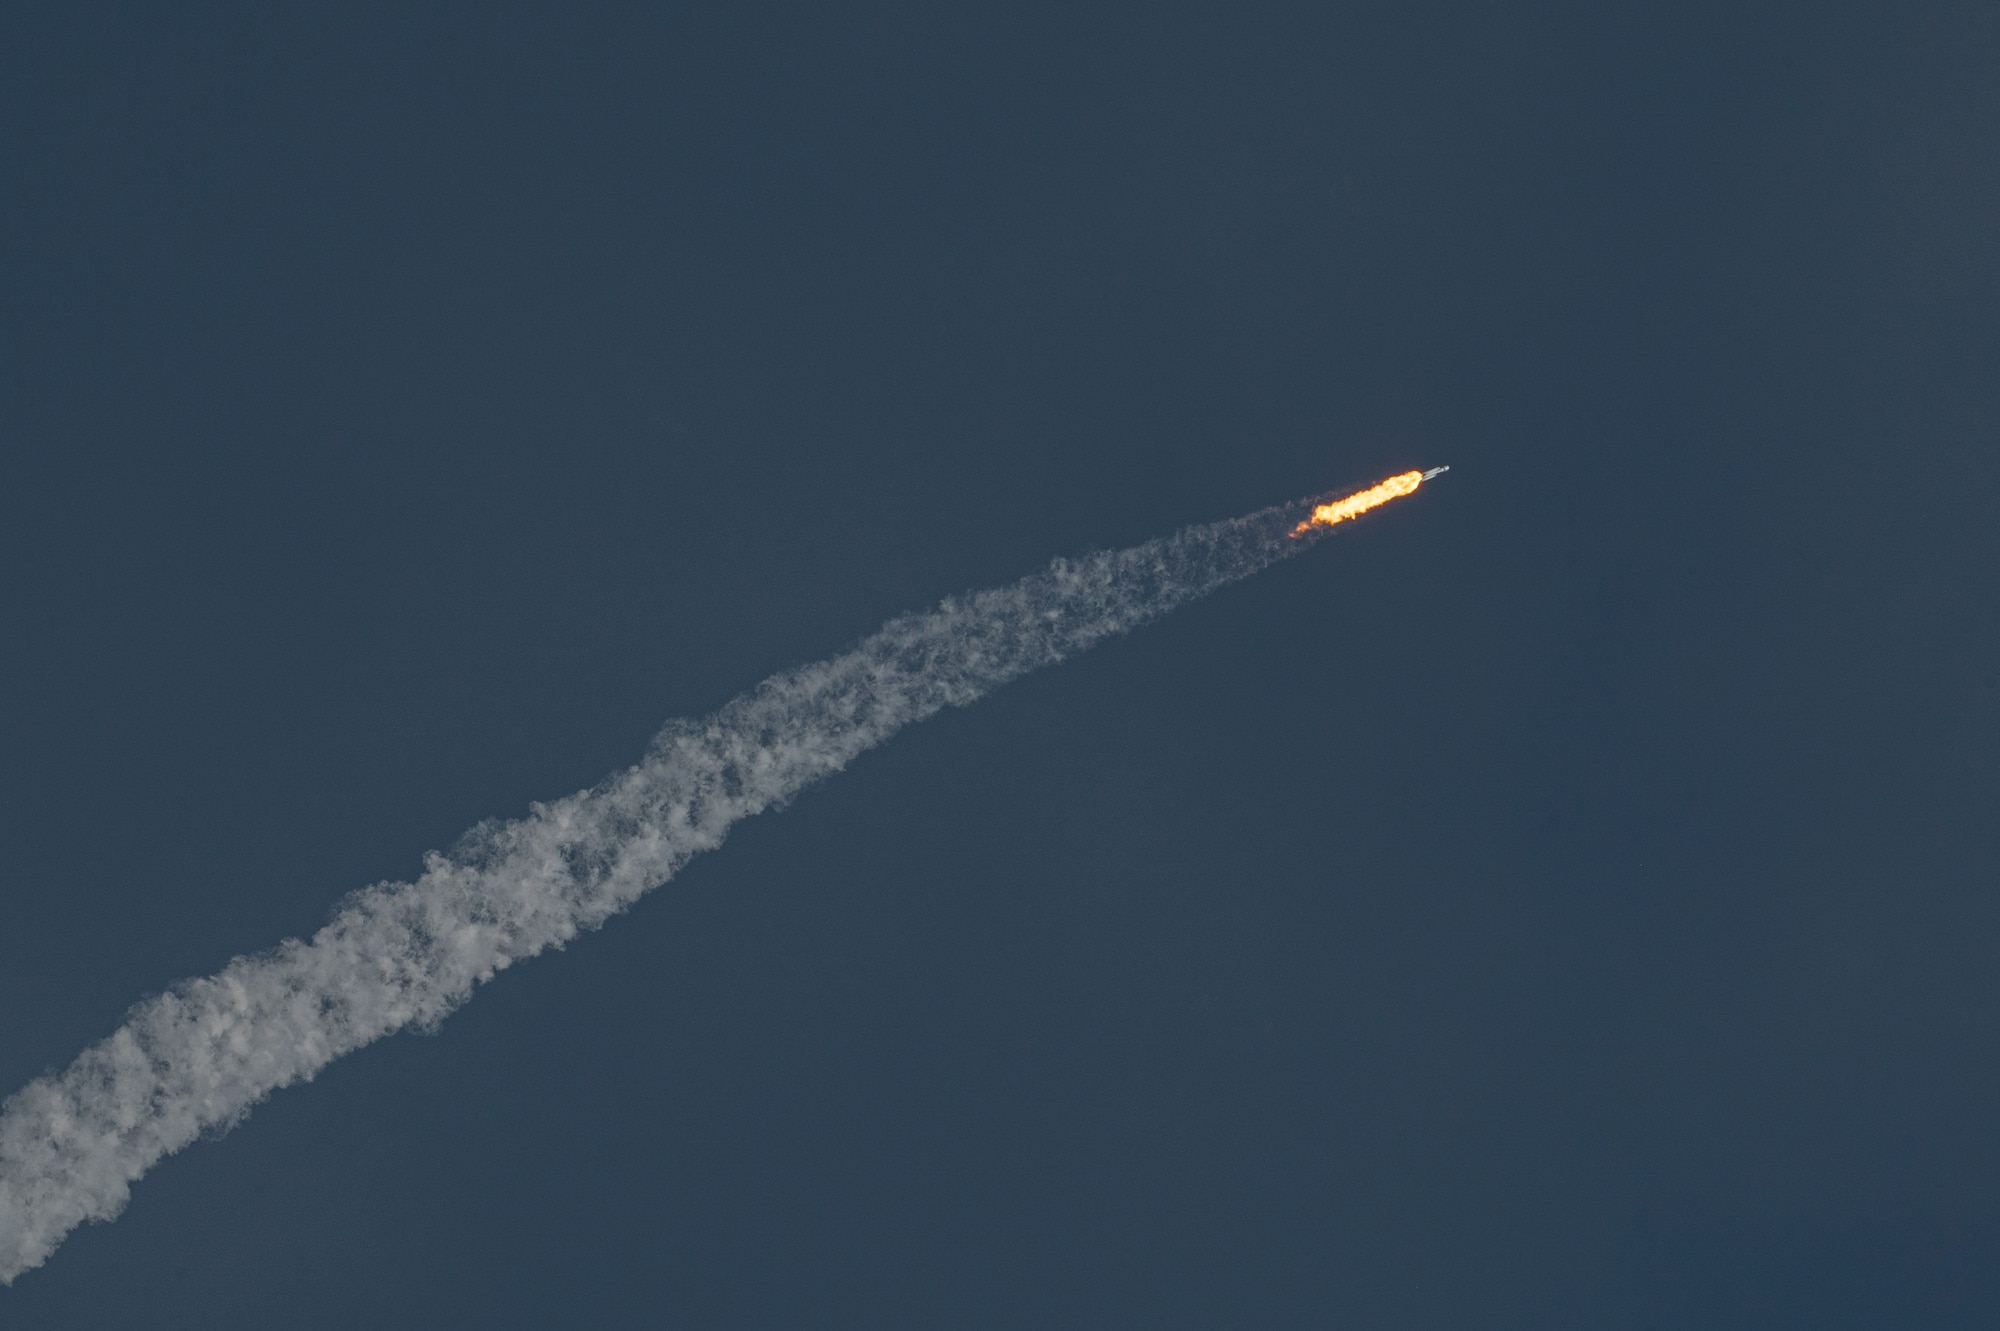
1340 510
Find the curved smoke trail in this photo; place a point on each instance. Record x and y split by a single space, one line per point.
198 1057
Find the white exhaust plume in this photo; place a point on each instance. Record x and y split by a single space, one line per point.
198 1057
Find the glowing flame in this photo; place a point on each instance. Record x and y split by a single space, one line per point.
1340 510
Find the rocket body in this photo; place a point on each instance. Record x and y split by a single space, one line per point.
1354 505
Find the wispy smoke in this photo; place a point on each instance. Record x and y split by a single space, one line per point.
198 1057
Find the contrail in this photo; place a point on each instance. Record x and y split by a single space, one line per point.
197 1058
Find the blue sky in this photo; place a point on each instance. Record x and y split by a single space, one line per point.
1562 899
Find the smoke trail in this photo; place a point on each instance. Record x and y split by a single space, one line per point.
198 1057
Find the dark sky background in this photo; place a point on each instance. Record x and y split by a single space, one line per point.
1566 899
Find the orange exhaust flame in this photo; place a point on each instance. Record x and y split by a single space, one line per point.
1340 510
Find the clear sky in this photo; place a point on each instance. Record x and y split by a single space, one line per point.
1565 898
